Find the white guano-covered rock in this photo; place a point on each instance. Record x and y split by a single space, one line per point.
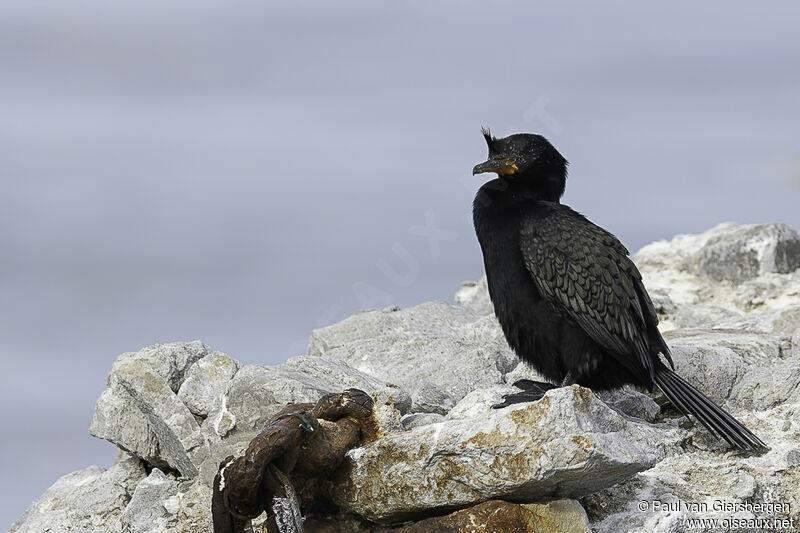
742 277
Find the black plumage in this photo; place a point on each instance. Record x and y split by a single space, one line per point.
569 299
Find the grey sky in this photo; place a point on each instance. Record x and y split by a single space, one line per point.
242 172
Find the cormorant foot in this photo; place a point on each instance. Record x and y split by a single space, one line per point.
531 392
528 384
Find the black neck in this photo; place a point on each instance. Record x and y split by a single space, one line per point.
542 184
548 179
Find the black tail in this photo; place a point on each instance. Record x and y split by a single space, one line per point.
691 401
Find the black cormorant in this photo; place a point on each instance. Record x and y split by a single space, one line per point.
569 299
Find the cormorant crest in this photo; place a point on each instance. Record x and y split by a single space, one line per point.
488 136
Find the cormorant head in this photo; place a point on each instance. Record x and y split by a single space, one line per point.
526 157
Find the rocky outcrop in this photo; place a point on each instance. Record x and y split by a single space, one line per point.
568 444
92 499
727 252
140 410
730 307
435 351
730 277
619 461
558 516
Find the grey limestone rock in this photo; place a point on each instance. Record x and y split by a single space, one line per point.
695 485
170 360
429 345
479 402
737 369
738 253
163 504
206 379
474 295
192 506
394 396
146 511
729 300
140 413
257 392
91 499
415 420
732 276
390 405
631 402
698 316
428 398
728 252
568 444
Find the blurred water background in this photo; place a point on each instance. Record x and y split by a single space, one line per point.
241 172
